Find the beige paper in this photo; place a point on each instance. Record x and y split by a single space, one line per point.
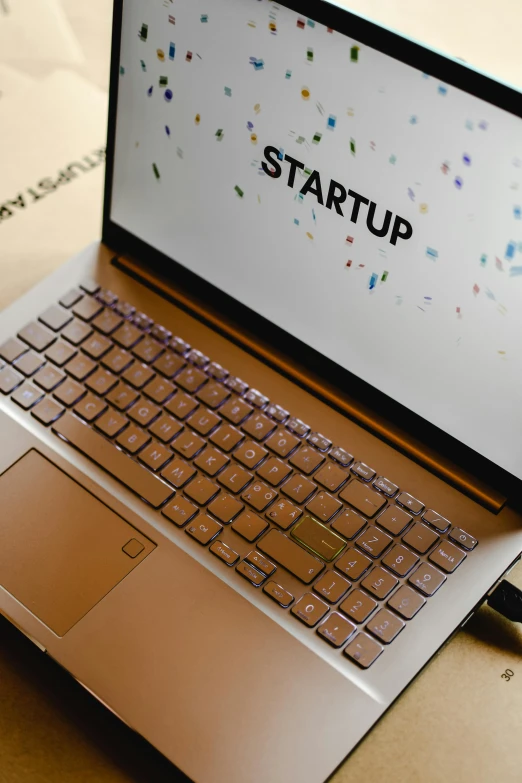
13 82
47 211
38 32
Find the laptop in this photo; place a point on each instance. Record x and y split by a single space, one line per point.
259 454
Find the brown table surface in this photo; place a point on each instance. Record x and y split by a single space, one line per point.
460 720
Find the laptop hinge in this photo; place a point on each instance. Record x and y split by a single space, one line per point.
479 491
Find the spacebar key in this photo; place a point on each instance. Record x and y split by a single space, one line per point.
138 479
279 547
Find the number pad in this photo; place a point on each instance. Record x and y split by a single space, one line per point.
400 560
379 582
373 541
309 609
358 606
406 602
385 626
427 579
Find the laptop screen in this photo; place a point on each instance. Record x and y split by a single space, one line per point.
363 206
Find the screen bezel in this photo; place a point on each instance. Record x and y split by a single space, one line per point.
447 70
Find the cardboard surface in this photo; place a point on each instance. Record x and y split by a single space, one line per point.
461 720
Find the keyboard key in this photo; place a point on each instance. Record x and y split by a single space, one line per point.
348 524
155 456
394 520
379 583
427 579
277 412
80 367
101 381
96 346
341 456
224 552
336 629
385 626
71 297
125 309
122 396
261 563
47 411
59 353
274 471
198 358
37 336
106 297
319 441
137 478
69 392
358 606
144 412
463 539
225 508
435 520
249 572
127 335
278 594
188 444
400 560
89 286
142 321
87 308
181 405
148 350
373 541
258 426
201 490
298 427
283 513
137 375
235 478
236 385
309 609
363 471
331 476
259 495
299 488
203 529
332 586
29 363
203 421
191 379
249 526
165 428
236 410
213 394
255 398
406 602
250 454
363 650
211 461
323 506
386 487
55 318
107 321
111 423
446 556
178 473
159 390
282 443
169 364
420 538
413 505
76 332
180 511
226 437
353 564
218 372
291 556
306 459
117 360
133 439
179 345
27 395
319 539
90 407
364 499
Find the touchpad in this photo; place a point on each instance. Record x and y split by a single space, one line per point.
61 549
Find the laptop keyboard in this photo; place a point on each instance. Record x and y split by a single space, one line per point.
209 452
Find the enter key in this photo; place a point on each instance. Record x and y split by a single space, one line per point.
318 539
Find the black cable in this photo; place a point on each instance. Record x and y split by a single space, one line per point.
507 600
